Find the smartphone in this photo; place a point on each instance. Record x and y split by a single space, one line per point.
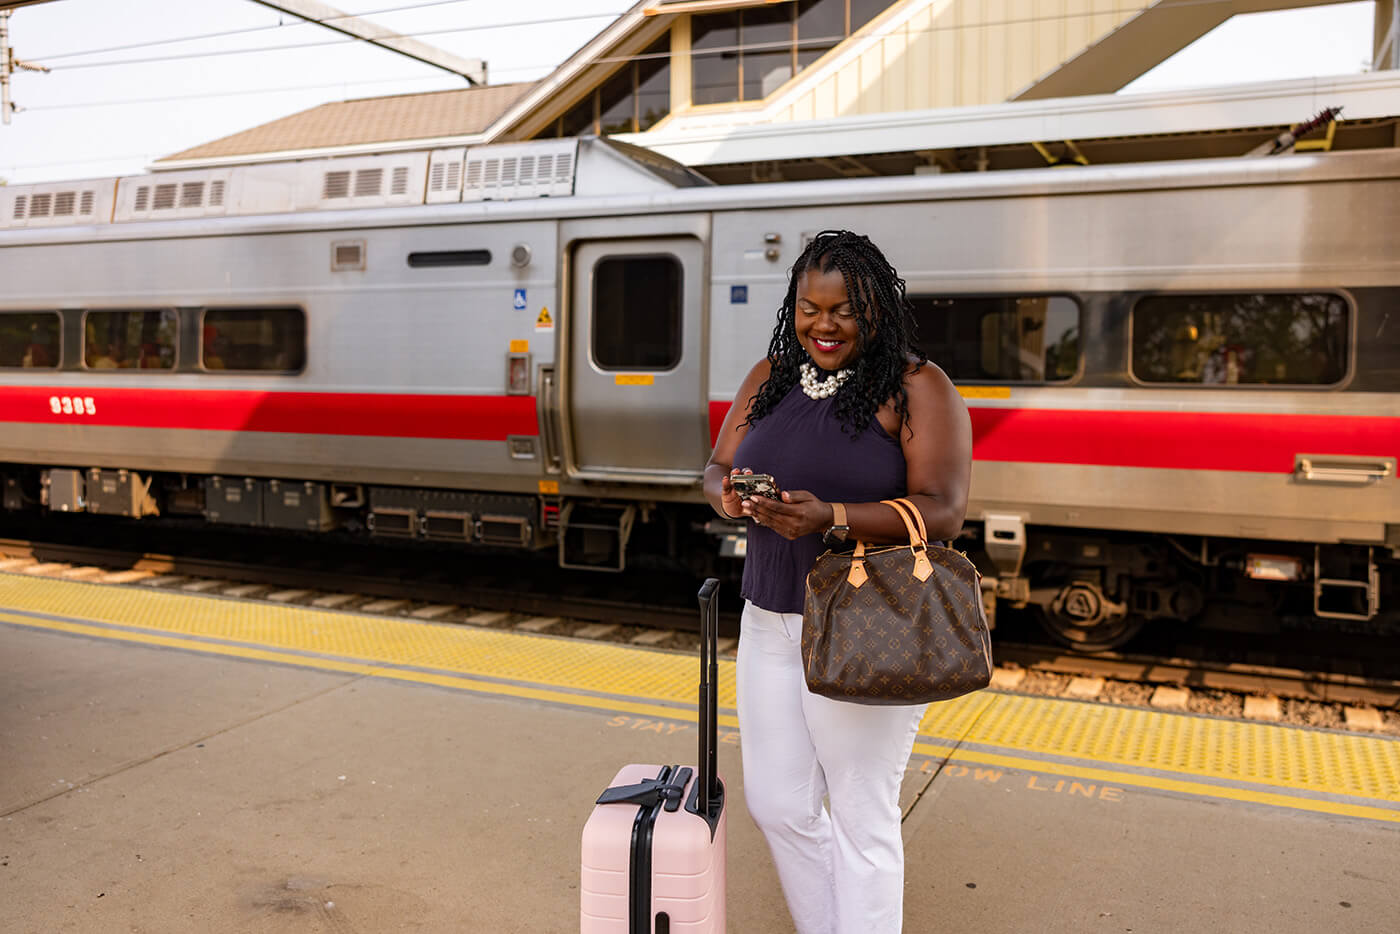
749 485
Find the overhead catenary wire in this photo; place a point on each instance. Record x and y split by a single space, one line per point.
801 44
328 42
239 32
956 27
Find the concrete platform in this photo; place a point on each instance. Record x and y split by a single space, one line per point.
178 762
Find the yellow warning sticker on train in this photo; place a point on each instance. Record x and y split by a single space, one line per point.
549 487
634 379
985 392
518 346
544 320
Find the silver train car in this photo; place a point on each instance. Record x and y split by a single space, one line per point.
1184 378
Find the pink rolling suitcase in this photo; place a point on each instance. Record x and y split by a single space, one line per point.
653 849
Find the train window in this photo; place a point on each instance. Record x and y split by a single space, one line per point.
1241 339
635 98
253 339
1011 339
637 312
130 340
29 339
748 54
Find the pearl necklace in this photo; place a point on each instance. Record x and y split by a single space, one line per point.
827 387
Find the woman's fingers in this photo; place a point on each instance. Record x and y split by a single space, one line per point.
799 513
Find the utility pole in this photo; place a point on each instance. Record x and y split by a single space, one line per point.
5 65
8 64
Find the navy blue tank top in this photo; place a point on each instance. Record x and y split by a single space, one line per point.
800 442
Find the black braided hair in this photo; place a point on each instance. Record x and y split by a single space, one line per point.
885 321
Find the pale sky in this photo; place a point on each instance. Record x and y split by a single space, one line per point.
83 121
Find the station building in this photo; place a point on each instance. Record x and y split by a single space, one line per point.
769 90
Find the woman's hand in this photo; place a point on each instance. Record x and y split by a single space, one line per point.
798 514
729 498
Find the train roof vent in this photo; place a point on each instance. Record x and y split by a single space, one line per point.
369 183
337 185
361 182
164 199
503 172
52 204
445 174
171 195
192 195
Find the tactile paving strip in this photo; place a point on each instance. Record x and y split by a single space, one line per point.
619 677
498 654
1262 753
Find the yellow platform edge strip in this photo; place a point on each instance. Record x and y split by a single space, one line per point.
617 677
459 682
950 753
1181 786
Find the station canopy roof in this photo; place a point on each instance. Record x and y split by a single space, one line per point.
436 118
909 85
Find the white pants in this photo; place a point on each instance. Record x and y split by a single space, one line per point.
842 872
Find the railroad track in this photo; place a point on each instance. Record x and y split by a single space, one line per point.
493 585
1265 692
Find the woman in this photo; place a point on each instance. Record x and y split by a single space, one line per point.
843 413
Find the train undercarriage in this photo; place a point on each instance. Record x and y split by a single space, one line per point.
1090 590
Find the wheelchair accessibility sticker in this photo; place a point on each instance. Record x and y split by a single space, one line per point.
519 300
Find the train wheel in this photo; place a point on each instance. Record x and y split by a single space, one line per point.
1089 637
1081 617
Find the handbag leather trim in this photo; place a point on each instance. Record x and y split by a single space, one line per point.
918 537
856 575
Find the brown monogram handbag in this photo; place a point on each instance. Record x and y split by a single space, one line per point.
895 624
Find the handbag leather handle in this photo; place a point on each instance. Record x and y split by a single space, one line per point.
907 505
918 544
918 535
914 524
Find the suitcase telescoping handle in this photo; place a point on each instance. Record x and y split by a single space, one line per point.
708 783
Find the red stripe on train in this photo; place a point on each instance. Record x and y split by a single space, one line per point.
1263 443
460 418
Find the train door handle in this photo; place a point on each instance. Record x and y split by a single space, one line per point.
1355 471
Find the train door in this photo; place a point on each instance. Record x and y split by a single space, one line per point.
635 381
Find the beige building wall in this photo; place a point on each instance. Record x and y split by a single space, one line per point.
953 53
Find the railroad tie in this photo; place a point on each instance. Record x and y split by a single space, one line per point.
1084 688
1263 708
596 630
537 623
1170 698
